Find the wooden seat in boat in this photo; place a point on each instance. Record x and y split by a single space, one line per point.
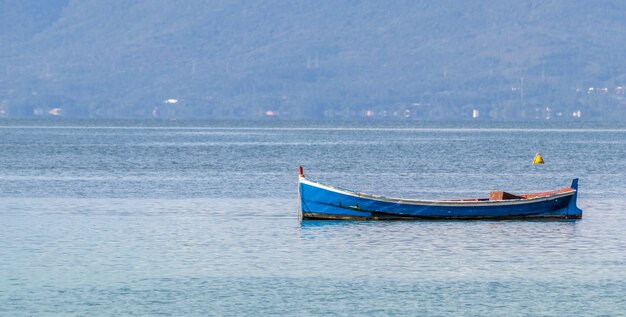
502 196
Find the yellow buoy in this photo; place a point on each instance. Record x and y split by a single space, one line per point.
538 159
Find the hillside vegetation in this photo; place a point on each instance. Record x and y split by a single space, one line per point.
508 60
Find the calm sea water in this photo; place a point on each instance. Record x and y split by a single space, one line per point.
199 218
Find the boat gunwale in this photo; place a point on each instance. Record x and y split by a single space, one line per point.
455 203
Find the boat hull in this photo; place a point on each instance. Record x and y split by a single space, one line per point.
318 201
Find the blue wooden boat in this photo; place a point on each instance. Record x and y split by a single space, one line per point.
319 201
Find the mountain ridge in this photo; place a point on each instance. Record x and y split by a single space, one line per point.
297 60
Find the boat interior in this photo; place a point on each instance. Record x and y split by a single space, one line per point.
502 195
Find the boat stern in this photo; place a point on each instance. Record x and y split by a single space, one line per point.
300 177
317 202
